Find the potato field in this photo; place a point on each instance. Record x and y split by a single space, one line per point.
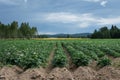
52 54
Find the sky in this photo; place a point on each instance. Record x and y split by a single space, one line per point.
62 16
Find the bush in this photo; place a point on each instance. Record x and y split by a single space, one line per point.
99 53
80 59
111 52
29 61
104 62
59 61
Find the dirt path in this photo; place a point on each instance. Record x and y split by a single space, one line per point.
70 65
49 65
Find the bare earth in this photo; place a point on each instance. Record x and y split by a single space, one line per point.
81 73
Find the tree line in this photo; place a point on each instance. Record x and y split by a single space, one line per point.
13 30
104 32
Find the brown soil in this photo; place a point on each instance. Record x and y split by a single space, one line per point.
84 73
70 65
33 74
81 73
9 73
93 65
108 73
60 74
49 65
116 63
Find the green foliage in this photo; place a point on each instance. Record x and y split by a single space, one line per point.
26 54
104 62
35 53
1 65
104 33
14 31
31 60
60 59
111 52
79 59
100 53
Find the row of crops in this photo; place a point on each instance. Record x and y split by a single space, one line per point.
35 53
60 59
84 52
25 54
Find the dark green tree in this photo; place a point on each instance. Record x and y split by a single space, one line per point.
25 30
14 29
115 32
105 32
0 30
33 32
3 30
94 35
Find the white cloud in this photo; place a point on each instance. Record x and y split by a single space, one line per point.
25 1
83 25
102 2
44 33
107 21
13 2
7 2
92 0
61 17
79 20
67 17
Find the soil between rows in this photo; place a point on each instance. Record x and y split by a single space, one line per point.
70 66
81 73
49 64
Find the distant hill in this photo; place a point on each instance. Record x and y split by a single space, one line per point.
68 35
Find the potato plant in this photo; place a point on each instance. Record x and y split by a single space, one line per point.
26 54
60 59
35 53
104 62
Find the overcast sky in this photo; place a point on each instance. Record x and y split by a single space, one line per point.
62 16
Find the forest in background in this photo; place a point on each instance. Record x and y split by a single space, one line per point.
13 30
105 33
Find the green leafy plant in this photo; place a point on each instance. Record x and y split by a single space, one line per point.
60 59
80 59
104 62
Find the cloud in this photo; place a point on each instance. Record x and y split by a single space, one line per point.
25 1
61 17
13 2
7 2
84 25
107 21
102 2
44 33
80 20
92 0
